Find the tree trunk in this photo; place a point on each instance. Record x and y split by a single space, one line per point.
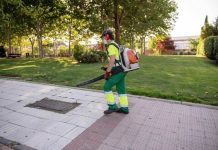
132 41
9 38
144 43
141 45
20 43
55 46
39 39
116 22
32 41
70 36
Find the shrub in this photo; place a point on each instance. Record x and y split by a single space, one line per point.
78 52
90 57
83 56
102 55
2 52
209 47
215 45
63 49
217 58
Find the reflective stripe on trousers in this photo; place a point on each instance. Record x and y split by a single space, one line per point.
123 100
109 97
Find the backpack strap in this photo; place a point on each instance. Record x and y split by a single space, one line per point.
117 46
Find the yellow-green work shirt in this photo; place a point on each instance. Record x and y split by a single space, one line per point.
112 50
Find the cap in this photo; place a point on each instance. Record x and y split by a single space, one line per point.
107 31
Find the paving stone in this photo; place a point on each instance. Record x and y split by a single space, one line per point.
107 147
2 123
4 102
58 145
41 140
4 112
21 134
81 121
59 128
74 132
8 129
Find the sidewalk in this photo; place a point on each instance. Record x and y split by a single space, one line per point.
151 124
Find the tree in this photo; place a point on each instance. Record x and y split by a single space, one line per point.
215 27
133 18
207 29
194 43
167 44
8 23
41 15
152 43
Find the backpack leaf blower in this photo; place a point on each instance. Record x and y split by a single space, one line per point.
113 71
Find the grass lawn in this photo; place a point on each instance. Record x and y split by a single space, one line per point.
186 78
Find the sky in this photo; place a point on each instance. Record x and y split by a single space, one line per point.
191 16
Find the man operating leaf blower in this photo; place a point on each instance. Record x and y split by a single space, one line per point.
121 61
111 79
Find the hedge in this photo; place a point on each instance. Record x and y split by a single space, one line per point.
209 47
91 56
215 45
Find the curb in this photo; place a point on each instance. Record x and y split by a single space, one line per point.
175 102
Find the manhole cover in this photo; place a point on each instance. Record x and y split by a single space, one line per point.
54 105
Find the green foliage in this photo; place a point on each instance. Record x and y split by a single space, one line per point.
135 17
209 47
208 29
216 48
200 47
90 57
62 49
152 42
102 55
78 52
83 56
194 43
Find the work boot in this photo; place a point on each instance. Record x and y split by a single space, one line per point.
111 109
124 110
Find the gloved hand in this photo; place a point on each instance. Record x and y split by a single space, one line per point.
107 75
104 68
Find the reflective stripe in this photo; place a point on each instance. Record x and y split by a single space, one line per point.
123 100
109 96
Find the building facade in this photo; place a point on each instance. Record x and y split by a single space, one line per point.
183 42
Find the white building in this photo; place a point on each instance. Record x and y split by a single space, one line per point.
183 42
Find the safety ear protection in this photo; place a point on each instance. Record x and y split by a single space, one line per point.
106 37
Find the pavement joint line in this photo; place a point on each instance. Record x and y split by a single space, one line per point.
130 95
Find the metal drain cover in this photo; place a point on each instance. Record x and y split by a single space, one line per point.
53 105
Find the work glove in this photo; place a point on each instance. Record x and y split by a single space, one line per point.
104 68
107 75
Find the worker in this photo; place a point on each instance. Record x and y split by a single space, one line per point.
117 80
